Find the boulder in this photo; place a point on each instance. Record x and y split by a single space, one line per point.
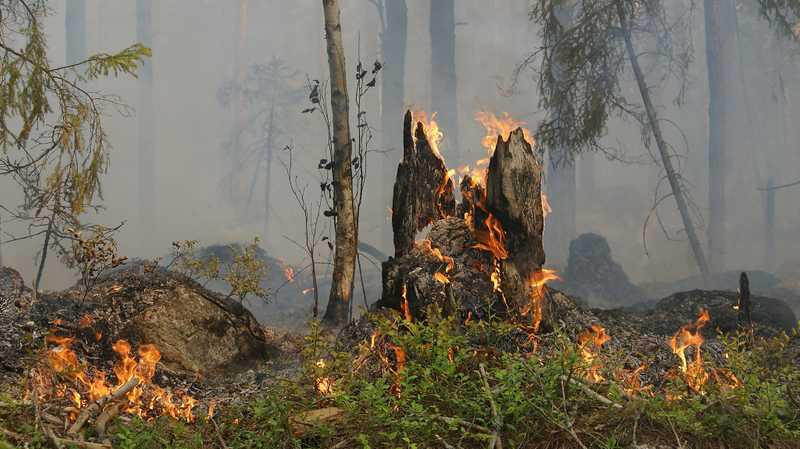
197 331
593 275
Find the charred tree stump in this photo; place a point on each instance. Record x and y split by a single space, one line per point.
423 191
745 316
514 196
481 258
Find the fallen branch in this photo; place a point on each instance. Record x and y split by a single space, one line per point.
95 407
102 421
496 442
590 392
12 435
463 423
218 432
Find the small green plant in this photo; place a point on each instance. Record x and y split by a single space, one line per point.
244 272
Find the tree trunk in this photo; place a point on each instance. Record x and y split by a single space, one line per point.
718 31
146 120
75 23
655 127
393 47
346 229
443 74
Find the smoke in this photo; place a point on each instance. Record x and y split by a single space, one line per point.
194 44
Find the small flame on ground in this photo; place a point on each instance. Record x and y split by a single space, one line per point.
63 361
288 273
590 342
690 336
441 278
323 384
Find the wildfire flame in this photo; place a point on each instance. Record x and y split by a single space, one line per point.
690 336
441 278
145 399
500 126
404 304
323 384
288 273
536 284
590 342
430 127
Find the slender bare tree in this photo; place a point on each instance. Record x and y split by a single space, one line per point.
342 171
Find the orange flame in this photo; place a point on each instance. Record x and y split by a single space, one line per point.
590 342
492 239
63 360
690 335
441 278
288 273
502 127
404 304
323 384
432 132
536 285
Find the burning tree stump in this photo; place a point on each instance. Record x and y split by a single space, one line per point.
514 197
482 255
423 191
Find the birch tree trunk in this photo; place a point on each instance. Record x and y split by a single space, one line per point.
346 230
393 47
146 120
718 30
443 74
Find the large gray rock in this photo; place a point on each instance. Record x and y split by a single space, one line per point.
592 274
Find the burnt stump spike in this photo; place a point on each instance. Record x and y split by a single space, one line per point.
423 193
514 196
745 306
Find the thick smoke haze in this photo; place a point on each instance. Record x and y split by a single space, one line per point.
195 55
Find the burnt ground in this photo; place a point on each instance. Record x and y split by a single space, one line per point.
254 358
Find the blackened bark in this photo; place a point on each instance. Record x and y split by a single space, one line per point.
423 192
443 73
745 315
514 196
344 258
